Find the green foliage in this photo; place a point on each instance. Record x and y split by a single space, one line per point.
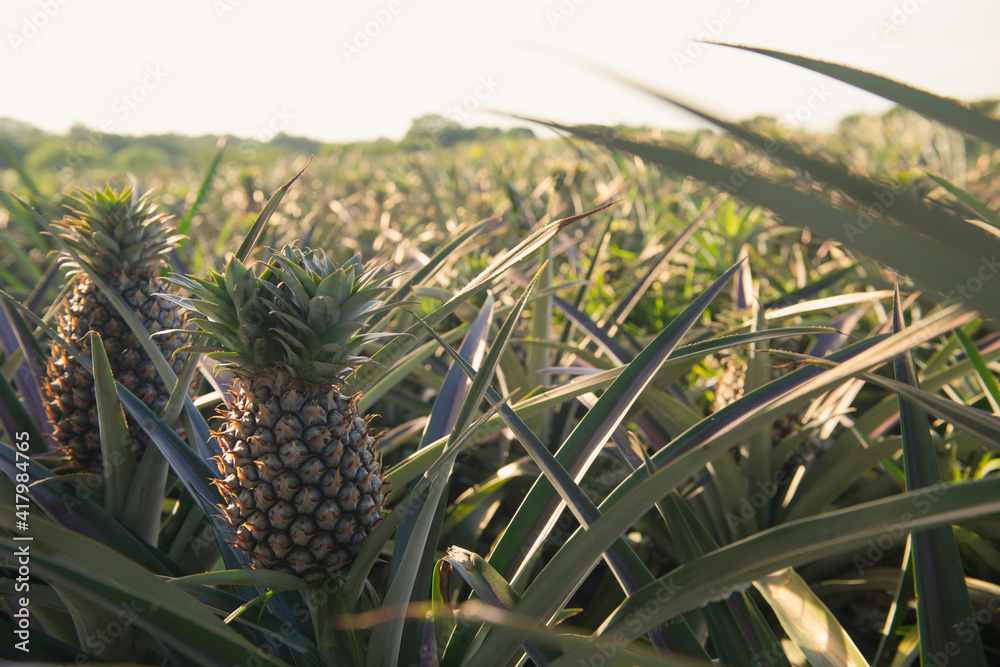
689 425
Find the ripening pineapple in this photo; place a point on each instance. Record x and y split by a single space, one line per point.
300 476
124 238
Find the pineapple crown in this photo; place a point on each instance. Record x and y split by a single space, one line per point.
117 232
298 311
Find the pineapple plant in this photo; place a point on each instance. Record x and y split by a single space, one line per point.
124 238
300 477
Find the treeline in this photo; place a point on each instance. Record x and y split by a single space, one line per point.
43 153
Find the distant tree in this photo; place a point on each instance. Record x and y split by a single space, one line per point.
521 132
291 144
142 158
55 154
432 129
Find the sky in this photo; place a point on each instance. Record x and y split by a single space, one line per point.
344 71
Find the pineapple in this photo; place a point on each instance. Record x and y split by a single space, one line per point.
300 477
124 238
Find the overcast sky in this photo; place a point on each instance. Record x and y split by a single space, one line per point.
341 71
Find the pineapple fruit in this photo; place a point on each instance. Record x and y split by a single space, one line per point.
124 238
300 476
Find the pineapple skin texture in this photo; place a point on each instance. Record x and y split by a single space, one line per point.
302 483
69 389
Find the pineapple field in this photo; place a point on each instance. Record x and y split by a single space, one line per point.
621 397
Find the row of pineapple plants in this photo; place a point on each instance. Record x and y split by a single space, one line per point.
301 487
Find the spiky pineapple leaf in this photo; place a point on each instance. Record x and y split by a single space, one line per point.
58 499
898 610
717 574
383 644
986 377
184 226
116 442
144 504
113 582
924 217
807 621
538 513
625 564
738 630
253 235
623 560
391 353
901 248
943 603
456 426
975 205
415 464
627 567
22 365
945 110
276 581
688 453
448 418
494 591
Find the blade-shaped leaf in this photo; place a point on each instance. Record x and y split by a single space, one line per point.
691 451
943 603
116 443
115 583
493 589
899 247
948 111
252 236
389 354
717 574
540 509
807 621
448 418
627 567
